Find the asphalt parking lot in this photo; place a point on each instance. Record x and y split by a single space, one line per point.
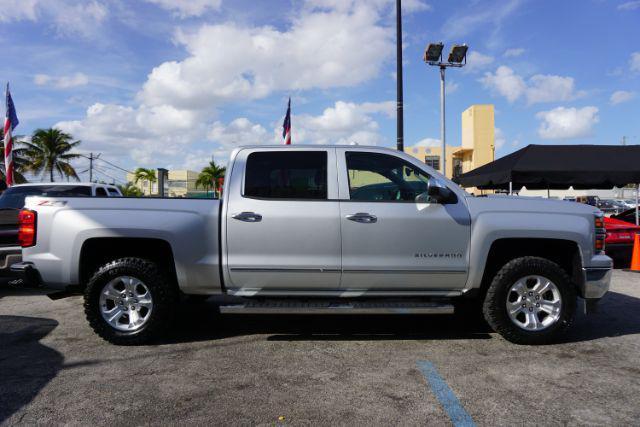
236 369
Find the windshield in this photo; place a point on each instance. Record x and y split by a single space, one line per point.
13 198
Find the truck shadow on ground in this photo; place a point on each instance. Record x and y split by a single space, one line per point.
26 365
618 315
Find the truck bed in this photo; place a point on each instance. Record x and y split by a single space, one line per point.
190 226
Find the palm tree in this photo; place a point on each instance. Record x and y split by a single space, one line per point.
210 175
145 175
19 162
130 190
49 152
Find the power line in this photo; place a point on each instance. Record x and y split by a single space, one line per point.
109 176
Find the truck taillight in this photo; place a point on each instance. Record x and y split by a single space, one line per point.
27 228
601 234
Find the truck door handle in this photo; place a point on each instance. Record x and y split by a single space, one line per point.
363 218
248 217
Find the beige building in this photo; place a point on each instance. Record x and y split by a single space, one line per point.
478 144
180 183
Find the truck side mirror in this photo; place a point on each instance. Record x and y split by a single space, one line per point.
439 194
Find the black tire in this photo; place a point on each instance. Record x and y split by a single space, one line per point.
495 310
163 292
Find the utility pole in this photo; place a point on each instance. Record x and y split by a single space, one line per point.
443 132
400 111
90 167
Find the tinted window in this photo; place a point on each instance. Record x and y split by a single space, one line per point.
101 192
14 196
381 177
287 175
113 192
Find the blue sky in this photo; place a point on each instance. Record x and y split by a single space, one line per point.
169 83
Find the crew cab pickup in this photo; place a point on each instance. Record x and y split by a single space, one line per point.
322 229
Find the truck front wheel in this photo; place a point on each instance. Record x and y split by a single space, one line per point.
531 300
129 301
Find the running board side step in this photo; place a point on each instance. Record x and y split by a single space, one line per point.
337 308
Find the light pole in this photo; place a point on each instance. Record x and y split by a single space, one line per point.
399 105
457 58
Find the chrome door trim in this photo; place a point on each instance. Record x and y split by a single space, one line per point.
426 271
337 270
285 270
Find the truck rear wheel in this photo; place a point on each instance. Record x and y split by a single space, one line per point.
531 301
129 301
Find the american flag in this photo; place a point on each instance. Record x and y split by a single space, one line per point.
10 123
286 126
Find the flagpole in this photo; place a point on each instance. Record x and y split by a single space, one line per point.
400 110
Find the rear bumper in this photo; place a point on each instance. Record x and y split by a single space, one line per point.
596 282
27 272
8 256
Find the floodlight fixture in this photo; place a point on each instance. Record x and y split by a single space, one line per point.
433 53
457 58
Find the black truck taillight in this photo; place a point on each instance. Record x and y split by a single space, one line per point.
27 228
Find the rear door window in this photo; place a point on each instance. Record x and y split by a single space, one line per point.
101 192
286 175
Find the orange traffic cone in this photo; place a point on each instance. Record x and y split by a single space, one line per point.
635 258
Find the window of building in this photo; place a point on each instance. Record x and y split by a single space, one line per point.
177 184
457 167
433 161
381 177
287 175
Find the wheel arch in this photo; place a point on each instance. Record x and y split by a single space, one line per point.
565 253
97 251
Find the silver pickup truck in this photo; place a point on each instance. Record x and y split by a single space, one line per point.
322 229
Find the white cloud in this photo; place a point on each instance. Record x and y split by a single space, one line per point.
325 48
61 82
514 52
500 139
630 5
67 17
474 18
152 136
634 62
344 123
567 123
428 142
188 8
505 82
451 87
477 61
620 96
240 131
550 88
538 89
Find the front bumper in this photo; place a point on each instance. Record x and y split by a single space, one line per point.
595 282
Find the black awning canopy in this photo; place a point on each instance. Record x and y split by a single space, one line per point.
559 167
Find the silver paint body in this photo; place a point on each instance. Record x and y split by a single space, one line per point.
311 248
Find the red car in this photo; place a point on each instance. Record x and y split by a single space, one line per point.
619 240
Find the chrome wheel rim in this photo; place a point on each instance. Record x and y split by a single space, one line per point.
534 303
126 303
